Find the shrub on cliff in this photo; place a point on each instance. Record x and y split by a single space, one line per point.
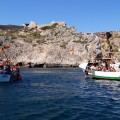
49 27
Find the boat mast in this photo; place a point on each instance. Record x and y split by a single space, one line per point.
5 54
3 46
108 36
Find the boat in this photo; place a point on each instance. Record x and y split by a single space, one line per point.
105 68
112 71
8 71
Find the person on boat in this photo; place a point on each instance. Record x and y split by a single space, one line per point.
112 69
100 68
92 67
1 65
6 67
112 62
15 70
95 66
88 67
104 69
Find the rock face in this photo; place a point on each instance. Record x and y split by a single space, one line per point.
54 45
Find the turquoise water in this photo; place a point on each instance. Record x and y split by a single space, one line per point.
59 94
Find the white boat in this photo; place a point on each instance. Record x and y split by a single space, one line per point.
109 70
110 75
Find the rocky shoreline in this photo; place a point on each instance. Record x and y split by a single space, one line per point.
32 65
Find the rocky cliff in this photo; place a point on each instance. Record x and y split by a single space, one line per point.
54 44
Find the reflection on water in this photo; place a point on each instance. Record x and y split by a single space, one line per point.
59 94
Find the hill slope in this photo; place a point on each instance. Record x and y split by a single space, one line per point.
54 44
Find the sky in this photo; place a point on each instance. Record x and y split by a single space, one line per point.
84 15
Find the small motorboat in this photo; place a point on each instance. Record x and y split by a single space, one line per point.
8 71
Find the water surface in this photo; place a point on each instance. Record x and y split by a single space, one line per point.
59 94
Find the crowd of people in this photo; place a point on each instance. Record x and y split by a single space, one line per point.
6 67
104 66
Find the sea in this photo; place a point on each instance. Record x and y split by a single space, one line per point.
59 94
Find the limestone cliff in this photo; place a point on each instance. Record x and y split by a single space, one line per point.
54 44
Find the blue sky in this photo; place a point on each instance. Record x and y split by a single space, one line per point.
84 15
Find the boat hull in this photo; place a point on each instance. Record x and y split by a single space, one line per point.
9 77
5 77
106 75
